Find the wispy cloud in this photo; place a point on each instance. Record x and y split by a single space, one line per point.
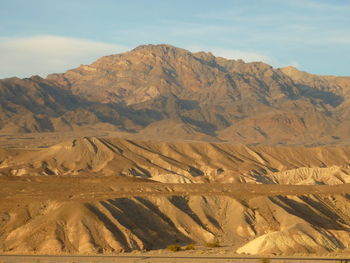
303 22
322 5
26 56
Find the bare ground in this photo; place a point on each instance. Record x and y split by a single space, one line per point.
101 188
87 196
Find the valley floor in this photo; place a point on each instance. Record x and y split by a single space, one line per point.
94 188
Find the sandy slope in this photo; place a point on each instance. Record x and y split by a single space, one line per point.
94 195
102 214
185 162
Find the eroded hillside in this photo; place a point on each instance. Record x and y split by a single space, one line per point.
184 162
209 150
108 215
94 195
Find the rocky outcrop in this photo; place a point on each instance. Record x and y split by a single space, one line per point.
168 93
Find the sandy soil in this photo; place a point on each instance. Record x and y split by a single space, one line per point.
166 257
36 140
29 189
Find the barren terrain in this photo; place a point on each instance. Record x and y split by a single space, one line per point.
101 214
98 195
159 148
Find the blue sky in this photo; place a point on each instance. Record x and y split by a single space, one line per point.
46 36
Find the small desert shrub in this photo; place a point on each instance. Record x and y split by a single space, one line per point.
265 260
214 243
174 248
189 247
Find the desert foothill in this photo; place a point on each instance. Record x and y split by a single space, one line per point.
159 153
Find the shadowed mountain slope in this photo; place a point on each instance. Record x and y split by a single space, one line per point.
169 93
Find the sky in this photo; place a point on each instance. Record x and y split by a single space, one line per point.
39 37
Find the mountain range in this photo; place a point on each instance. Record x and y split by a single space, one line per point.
166 93
159 147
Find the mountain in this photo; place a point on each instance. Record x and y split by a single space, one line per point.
38 105
167 93
213 152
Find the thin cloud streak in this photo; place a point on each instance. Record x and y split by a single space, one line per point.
322 5
42 55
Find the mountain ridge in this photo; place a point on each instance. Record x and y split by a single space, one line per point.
153 88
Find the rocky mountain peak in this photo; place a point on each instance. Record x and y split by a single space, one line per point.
153 86
160 49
